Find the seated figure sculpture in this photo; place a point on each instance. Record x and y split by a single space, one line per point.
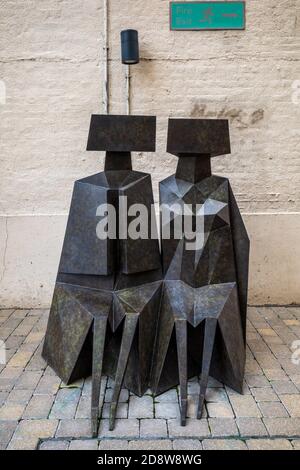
104 310
202 321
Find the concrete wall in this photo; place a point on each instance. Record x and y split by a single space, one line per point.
51 62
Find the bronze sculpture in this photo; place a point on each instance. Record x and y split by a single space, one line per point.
202 322
114 310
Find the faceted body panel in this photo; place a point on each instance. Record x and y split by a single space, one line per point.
106 300
202 321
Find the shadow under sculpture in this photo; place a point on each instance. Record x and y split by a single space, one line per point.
202 321
106 299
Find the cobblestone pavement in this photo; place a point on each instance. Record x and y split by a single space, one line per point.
37 411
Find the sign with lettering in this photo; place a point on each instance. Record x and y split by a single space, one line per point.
207 15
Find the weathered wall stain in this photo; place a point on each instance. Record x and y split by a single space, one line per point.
243 119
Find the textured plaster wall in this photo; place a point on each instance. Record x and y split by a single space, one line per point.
51 55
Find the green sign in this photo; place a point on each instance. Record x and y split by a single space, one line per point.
207 15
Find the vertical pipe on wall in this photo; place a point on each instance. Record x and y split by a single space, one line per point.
127 76
105 93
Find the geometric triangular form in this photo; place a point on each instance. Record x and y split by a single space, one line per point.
220 192
67 330
136 298
175 266
209 301
95 302
118 312
180 298
233 337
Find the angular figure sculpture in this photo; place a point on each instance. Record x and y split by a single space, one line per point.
106 299
202 321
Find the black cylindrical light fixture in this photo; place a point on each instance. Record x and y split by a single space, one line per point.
130 46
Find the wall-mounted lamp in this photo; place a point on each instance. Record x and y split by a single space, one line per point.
130 47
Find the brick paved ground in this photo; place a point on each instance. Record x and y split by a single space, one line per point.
38 411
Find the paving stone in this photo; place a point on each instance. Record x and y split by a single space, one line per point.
266 332
3 397
35 337
77 384
167 410
49 384
153 428
193 387
91 444
11 411
251 427
20 359
54 445
28 380
84 407
213 383
65 404
28 443
20 313
292 404
284 387
7 428
14 341
25 326
7 384
223 427
195 428
12 323
244 406
74 428
257 381
115 444
273 410
264 394
36 428
219 410
187 444
224 444
269 444
216 395
87 387
296 444
275 374
19 396
4 333
11 372
124 395
162 444
39 407
286 427
122 410
169 396
192 407
124 429
231 392
141 407
6 312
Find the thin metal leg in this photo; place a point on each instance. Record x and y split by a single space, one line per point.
209 341
127 338
181 340
98 350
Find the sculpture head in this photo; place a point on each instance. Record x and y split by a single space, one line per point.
119 135
195 141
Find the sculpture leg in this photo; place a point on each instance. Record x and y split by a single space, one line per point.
98 349
209 340
181 340
127 338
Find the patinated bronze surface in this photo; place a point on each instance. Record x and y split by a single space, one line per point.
114 310
202 321
104 310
